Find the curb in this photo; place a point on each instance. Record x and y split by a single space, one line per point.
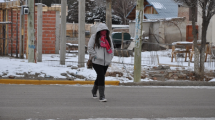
49 82
171 83
116 83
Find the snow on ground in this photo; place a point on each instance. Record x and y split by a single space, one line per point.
5 0
213 80
51 65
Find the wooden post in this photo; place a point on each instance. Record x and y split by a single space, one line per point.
122 46
39 32
213 30
27 41
63 32
81 34
17 34
21 34
31 31
1 34
138 40
109 15
6 40
11 49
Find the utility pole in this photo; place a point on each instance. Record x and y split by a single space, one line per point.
138 40
109 15
39 32
63 32
31 31
81 33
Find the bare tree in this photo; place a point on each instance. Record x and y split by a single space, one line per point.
122 8
208 10
119 7
101 3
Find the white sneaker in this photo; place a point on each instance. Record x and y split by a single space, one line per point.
103 99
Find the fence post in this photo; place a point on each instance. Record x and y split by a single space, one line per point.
81 34
63 32
57 43
39 32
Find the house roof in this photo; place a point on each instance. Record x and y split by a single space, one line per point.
164 8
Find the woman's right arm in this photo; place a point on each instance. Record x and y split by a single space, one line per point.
91 44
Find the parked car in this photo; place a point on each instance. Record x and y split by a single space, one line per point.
117 39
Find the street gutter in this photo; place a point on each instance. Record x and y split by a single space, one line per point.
49 82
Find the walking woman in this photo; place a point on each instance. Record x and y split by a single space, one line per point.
100 48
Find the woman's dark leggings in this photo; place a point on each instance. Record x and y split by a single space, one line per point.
101 71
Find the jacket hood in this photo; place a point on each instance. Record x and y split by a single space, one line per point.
102 26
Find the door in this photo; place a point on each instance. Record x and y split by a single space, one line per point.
189 34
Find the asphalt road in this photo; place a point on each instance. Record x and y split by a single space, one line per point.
63 102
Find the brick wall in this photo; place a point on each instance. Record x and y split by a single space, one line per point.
48 38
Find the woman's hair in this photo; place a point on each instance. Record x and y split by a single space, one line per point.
97 43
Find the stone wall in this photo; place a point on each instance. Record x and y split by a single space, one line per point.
162 31
184 12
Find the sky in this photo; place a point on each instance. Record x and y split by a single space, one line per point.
4 0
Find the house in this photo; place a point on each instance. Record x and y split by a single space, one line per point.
156 9
164 22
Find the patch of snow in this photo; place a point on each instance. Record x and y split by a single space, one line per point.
181 42
115 32
121 26
168 18
146 37
70 44
213 80
6 1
